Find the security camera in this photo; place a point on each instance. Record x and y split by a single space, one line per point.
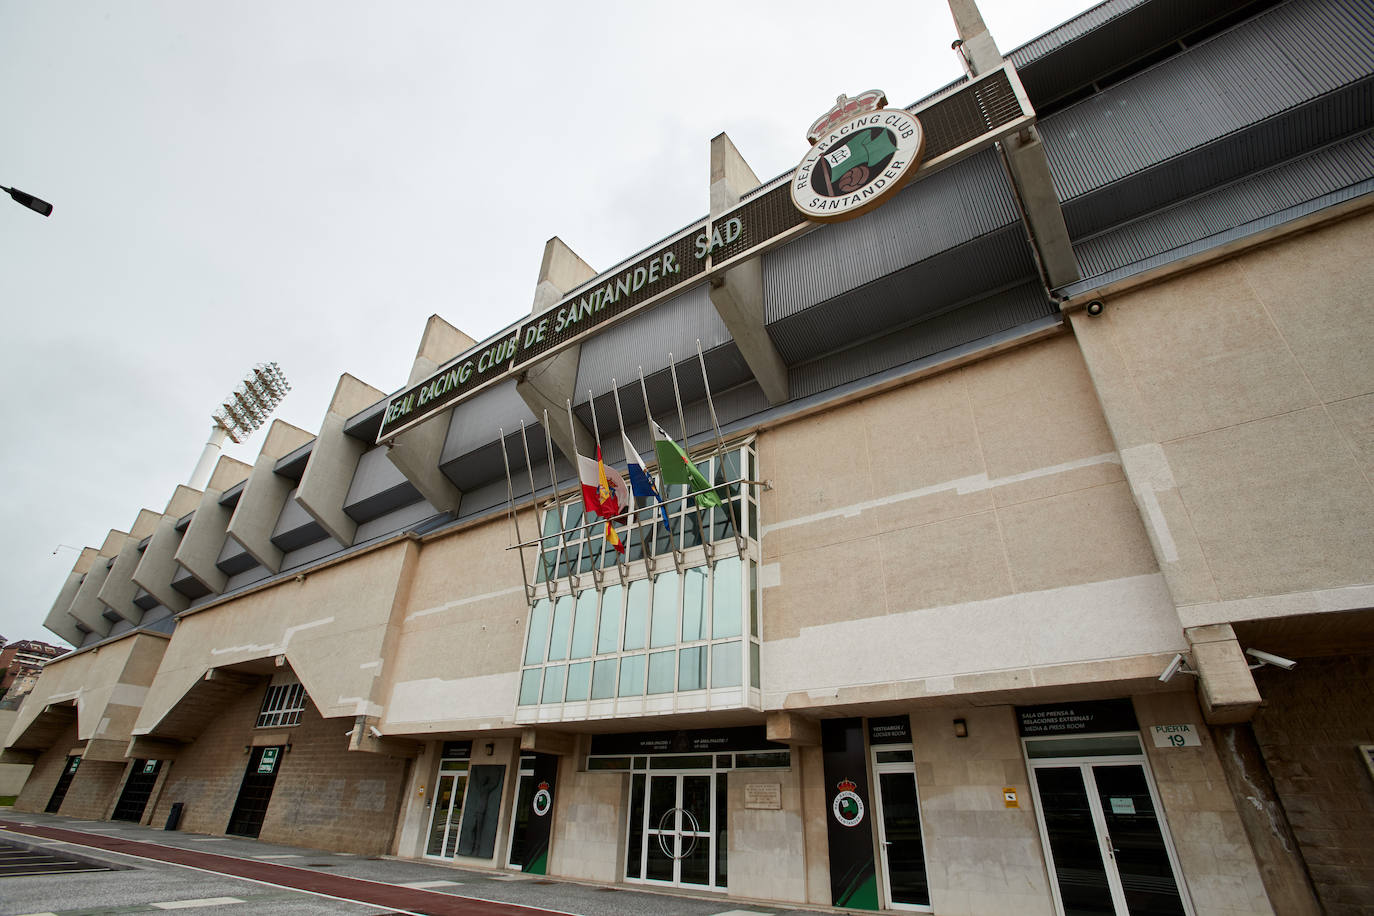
1177 665
1094 308
374 731
1265 658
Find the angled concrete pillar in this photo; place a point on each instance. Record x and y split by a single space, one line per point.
551 383
417 451
204 538
1025 158
1225 687
59 620
738 293
119 590
334 459
158 567
87 607
264 495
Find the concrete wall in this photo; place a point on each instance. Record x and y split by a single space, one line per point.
588 839
325 796
460 636
1316 716
12 775
1241 398
331 624
966 529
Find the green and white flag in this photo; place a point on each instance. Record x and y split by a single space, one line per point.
676 467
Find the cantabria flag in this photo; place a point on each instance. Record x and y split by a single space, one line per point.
675 467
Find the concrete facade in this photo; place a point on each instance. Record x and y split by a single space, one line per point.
920 661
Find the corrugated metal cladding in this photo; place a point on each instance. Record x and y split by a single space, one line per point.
961 274
1075 28
646 340
1294 132
475 422
1279 188
953 206
1013 308
1286 56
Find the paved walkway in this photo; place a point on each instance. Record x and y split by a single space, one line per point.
380 886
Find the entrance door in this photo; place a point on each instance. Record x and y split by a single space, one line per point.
678 837
899 829
1109 853
255 792
137 788
64 781
447 811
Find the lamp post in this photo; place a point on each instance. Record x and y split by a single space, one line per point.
37 205
245 409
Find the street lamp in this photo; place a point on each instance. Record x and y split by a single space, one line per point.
245 409
35 204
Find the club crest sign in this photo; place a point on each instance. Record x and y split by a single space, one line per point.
543 800
847 807
861 155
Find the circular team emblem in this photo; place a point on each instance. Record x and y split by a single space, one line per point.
848 807
861 155
543 800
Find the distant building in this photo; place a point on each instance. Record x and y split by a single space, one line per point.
20 664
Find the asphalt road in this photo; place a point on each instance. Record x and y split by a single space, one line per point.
231 875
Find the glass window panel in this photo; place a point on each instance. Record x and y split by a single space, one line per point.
661 672
694 604
894 757
529 686
1106 746
591 554
663 627
609 631
753 598
691 671
632 676
567 560
539 632
584 624
753 664
553 685
608 763
753 519
579 680
763 759
574 517
691 525
641 763
685 762
562 623
726 593
637 614
603 679
727 664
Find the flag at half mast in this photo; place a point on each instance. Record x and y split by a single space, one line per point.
604 492
677 468
645 493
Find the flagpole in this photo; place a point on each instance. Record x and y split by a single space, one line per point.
634 514
557 502
682 421
649 416
529 469
599 570
727 501
573 575
515 517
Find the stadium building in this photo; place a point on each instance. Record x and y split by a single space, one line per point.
1028 568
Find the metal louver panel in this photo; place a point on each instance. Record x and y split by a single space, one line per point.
1282 58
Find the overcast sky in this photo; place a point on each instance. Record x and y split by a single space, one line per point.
307 182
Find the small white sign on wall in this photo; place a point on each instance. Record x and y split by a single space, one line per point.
1175 736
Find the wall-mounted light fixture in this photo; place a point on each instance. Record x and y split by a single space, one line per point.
491 748
960 728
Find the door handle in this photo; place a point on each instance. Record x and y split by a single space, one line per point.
1110 848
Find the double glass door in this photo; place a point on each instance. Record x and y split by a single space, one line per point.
447 812
673 829
1109 851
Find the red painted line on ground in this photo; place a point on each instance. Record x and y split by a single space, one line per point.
358 889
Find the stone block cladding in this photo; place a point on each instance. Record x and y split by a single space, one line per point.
93 789
46 770
325 796
1309 730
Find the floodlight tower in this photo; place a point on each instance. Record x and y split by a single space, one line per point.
245 409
